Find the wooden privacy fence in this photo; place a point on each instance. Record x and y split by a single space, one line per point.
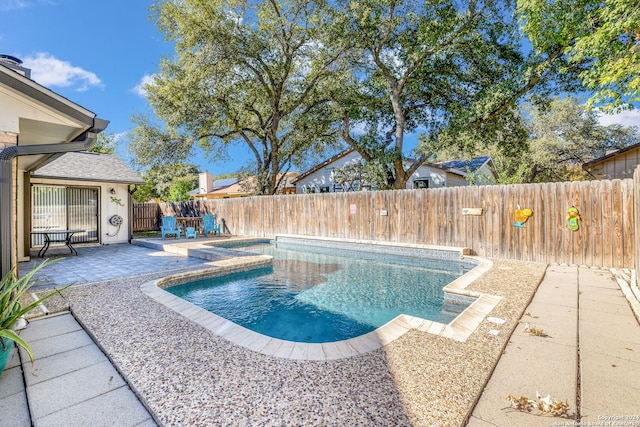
146 216
606 237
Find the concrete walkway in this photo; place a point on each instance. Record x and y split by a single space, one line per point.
72 383
588 355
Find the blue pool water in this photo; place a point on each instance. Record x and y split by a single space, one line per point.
314 294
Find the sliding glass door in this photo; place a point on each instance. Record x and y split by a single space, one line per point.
64 208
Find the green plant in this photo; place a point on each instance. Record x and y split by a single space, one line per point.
11 309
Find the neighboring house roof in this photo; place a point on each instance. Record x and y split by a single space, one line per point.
84 166
235 187
458 167
610 156
465 164
322 165
224 183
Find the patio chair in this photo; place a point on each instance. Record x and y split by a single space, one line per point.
169 226
190 232
209 224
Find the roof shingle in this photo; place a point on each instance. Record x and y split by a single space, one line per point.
84 166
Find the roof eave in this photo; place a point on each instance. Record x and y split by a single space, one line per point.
39 93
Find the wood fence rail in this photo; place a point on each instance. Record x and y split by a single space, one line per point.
606 238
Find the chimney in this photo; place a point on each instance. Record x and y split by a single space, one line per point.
205 182
15 64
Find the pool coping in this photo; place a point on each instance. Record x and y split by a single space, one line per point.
458 329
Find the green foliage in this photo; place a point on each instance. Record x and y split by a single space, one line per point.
180 187
252 73
11 292
159 179
560 136
359 175
565 136
106 144
447 71
600 39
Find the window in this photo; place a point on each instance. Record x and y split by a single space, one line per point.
421 183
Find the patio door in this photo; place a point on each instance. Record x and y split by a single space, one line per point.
64 208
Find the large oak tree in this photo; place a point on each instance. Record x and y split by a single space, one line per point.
449 72
245 72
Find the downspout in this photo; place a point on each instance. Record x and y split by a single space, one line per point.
6 183
130 201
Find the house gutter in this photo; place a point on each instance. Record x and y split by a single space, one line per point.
89 139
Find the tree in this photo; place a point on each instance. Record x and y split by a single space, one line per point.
159 179
603 35
556 142
449 71
106 144
245 72
567 135
180 188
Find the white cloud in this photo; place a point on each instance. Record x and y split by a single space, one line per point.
624 118
140 88
7 5
119 137
50 71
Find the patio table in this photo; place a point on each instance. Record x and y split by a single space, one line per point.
56 236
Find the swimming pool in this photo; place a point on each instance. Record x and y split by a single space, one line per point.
318 294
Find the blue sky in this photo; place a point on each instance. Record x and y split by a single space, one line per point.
98 53
95 53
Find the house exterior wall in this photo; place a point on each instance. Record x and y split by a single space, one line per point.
437 178
108 234
484 176
324 177
454 180
619 167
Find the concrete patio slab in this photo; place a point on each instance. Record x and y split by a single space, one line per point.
71 383
58 344
99 412
11 382
72 388
62 363
56 325
18 414
599 398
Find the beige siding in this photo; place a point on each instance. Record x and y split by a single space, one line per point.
622 166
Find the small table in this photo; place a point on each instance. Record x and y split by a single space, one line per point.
56 236
190 221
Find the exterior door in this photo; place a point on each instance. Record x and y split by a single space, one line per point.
64 208
82 213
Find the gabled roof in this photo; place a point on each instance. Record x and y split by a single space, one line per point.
84 166
322 165
610 155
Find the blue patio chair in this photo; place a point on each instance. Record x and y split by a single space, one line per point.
190 232
169 226
209 224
